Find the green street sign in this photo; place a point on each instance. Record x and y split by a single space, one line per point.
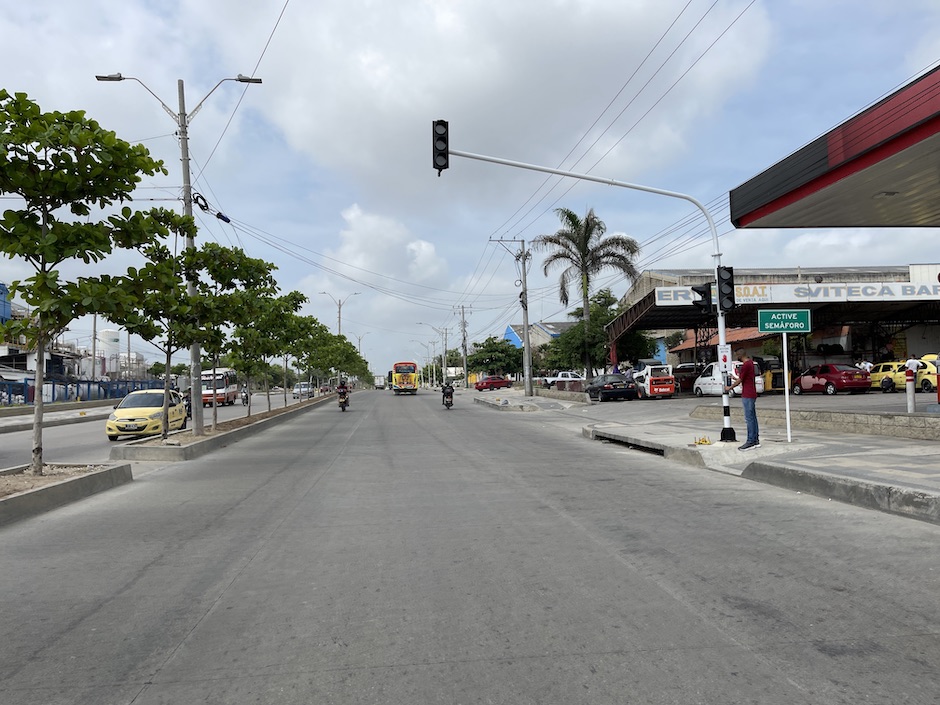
784 321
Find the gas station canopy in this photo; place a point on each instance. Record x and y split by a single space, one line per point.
881 168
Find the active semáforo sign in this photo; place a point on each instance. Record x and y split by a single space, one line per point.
784 321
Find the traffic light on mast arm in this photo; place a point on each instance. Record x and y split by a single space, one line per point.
726 288
441 145
704 304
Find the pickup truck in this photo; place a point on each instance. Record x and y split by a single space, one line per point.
566 376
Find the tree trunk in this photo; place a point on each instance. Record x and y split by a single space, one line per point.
36 462
586 317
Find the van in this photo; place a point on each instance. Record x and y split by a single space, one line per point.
711 381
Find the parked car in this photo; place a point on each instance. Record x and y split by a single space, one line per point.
686 373
492 382
612 386
711 382
892 370
927 376
140 413
832 378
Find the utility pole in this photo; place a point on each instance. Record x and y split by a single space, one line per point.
523 258
463 345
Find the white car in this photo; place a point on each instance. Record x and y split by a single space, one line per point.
711 382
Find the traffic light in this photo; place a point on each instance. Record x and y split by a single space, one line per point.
704 303
726 288
441 155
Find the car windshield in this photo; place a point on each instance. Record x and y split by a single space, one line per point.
137 401
844 368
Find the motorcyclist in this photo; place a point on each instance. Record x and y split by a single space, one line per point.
343 390
447 390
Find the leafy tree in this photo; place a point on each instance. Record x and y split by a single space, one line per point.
582 251
496 355
565 351
62 166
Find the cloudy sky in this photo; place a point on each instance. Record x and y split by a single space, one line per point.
325 168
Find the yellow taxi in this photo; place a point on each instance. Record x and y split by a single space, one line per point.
927 376
894 370
140 413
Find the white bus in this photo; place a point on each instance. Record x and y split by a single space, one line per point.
223 388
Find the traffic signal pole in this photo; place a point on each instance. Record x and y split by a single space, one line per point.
441 143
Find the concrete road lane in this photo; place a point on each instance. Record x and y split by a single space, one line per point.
401 553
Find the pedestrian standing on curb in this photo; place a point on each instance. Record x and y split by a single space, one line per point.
745 380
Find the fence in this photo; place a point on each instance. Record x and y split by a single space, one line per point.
24 391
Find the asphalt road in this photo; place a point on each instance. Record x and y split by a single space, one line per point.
401 553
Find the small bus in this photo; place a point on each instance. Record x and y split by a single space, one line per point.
405 378
222 389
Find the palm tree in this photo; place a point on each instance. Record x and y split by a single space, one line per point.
581 249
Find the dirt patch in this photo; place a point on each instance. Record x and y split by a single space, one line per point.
23 481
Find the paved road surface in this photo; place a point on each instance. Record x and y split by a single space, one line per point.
401 553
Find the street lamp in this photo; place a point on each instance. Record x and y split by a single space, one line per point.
339 309
182 122
443 333
359 339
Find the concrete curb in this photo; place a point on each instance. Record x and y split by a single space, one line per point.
507 406
135 450
32 502
885 498
10 428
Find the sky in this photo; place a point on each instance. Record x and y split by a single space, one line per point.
325 169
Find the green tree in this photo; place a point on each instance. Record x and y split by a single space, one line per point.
581 250
64 167
565 351
496 355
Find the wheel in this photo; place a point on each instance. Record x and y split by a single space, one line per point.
797 389
699 392
926 386
830 388
112 438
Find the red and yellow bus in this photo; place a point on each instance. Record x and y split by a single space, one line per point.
405 378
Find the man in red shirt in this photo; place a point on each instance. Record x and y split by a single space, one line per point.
748 399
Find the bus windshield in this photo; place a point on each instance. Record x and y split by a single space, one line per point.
405 368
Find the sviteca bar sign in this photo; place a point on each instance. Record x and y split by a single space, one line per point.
808 293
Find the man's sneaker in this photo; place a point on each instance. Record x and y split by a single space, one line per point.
748 445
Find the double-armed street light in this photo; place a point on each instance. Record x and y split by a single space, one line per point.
443 333
182 122
339 309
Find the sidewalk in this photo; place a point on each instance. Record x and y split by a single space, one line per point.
887 473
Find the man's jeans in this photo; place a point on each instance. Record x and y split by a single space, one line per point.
750 418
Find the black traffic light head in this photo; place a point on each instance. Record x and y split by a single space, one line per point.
441 145
704 303
726 288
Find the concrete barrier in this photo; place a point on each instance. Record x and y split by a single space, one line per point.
42 499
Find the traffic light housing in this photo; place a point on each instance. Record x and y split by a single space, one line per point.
441 145
726 288
704 304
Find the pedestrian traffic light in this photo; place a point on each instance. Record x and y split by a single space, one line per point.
704 303
440 144
726 288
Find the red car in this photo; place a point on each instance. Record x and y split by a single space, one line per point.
492 382
830 379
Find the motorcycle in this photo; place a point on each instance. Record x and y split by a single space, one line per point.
244 397
448 397
343 400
